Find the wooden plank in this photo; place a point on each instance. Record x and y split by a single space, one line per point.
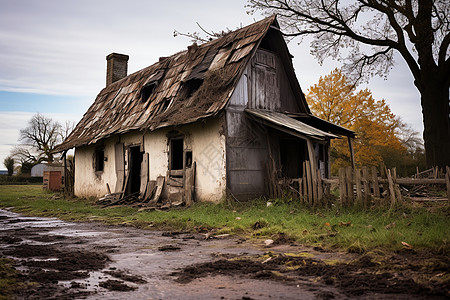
120 167
144 175
366 196
313 169
349 182
320 197
352 153
305 184
151 189
398 194
376 184
359 196
419 181
391 188
309 182
189 186
342 187
159 187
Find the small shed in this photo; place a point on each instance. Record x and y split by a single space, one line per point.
52 180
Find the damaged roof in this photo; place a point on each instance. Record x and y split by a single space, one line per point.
183 88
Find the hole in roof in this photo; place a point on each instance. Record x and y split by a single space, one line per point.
191 86
147 91
165 105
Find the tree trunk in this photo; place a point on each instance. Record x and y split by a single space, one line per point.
436 120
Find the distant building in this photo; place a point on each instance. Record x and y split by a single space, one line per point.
39 169
3 172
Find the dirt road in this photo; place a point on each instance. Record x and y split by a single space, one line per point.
93 261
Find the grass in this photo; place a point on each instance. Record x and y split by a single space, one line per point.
350 229
8 279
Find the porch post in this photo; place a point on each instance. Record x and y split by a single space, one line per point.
352 154
312 158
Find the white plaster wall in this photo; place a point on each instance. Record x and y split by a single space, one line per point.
205 139
87 182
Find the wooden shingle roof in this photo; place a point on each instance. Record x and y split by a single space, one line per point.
163 94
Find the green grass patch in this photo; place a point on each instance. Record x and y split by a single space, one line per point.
351 229
8 279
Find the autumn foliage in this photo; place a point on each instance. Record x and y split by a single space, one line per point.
336 100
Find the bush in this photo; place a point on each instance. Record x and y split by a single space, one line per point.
18 180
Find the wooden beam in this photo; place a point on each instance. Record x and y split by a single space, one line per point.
352 154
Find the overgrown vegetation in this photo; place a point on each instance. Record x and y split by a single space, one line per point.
407 228
8 279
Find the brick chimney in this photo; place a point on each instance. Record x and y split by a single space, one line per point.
116 67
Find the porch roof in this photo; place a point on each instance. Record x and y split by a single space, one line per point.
289 125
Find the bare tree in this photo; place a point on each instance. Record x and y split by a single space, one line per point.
365 34
40 136
9 164
196 37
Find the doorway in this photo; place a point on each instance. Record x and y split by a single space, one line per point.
135 161
292 156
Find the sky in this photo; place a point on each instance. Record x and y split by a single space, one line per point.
53 54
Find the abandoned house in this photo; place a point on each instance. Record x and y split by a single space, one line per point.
209 120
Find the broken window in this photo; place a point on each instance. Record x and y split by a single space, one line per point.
188 159
99 159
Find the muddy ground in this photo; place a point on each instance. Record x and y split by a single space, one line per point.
61 260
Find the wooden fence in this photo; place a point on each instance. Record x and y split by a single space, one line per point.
358 187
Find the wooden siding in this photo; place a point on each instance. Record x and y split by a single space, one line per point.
269 86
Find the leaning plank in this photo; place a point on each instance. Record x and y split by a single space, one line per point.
189 186
144 176
151 189
120 166
391 188
159 186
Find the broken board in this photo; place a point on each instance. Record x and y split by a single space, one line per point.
144 176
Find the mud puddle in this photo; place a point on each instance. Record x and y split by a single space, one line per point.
65 260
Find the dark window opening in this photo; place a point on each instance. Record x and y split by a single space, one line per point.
99 160
188 159
292 155
147 91
176 154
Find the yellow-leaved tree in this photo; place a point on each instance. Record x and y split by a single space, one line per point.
336 99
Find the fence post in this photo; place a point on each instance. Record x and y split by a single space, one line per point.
350 196
308 179
319 189
365 173
391 188
376 185
342 186
358 186
398 194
